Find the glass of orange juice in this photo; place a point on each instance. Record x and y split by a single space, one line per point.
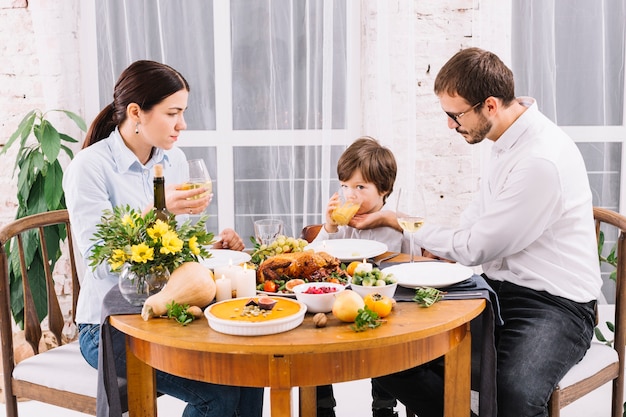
346 209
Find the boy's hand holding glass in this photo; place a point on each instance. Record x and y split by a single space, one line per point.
345 209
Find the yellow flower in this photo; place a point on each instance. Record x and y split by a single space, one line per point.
171 243
115 265
118 258
159 229
127 220
142 253
193 245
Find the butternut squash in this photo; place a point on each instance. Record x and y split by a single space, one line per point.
191 283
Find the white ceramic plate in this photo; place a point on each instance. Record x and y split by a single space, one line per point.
245 328
222 257
349 249
429 274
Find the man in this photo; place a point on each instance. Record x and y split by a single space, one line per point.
530 227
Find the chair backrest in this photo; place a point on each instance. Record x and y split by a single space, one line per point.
618 221
34 331
310 232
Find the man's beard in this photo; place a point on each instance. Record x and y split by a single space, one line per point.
477 135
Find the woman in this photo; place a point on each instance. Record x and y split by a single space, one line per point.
129 136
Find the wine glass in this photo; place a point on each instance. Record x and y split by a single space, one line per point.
198 177
410 212
267 230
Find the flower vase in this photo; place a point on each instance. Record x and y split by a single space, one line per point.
137 287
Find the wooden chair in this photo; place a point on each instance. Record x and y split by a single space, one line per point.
310 232
59 376
602 363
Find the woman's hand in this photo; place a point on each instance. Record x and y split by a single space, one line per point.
192 201
229 239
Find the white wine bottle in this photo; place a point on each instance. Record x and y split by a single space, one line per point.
160 210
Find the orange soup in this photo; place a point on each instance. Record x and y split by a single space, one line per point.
236 310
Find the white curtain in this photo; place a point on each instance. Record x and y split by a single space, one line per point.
268 86
569 54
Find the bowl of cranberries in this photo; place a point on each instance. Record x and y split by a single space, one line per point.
318 296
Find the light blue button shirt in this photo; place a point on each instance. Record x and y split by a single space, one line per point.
102 176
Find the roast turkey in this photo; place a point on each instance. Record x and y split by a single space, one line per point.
309 266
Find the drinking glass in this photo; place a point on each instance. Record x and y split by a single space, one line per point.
198 177
410 212
267 230
346 209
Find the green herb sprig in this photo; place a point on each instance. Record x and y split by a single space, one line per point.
179 313
427 296
366 319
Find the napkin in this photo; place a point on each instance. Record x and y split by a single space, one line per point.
112 394
483 347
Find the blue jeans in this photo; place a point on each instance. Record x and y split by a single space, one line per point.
543 336
203 399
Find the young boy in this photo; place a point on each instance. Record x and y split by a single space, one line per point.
366 171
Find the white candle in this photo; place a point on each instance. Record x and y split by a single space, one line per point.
225 270
246 283
230 272
224 289
363 267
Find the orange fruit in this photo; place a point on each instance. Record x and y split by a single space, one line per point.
351 267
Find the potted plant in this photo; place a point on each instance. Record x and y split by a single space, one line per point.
39 190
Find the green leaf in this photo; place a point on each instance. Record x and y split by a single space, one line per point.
67 138
36 202
68 151
23 130
76 118
53 192
599 335
50 140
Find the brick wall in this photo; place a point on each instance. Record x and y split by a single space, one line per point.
39 69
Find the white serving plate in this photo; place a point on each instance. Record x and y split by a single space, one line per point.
349 249
429 274
243 328
223 257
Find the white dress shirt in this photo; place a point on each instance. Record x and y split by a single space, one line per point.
531 222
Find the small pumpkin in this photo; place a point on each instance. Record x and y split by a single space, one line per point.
191 283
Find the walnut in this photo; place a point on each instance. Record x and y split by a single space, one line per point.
320 320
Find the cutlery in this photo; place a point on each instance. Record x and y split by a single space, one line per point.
386 258
462 294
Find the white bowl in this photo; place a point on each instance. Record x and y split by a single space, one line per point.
318 303
388 290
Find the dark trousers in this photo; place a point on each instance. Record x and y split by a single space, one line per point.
380 397
543 336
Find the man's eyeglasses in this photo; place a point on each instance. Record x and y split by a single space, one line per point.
457 116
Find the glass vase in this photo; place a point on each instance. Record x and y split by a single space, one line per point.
136 287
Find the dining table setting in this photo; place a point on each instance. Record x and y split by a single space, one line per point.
296 352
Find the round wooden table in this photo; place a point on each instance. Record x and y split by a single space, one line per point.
304 357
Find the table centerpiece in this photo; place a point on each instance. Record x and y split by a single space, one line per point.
144 250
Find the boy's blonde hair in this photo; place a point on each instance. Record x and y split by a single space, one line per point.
375 162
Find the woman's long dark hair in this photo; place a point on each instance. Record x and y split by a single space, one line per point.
146 83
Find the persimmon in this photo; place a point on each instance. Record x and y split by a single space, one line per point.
381 304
